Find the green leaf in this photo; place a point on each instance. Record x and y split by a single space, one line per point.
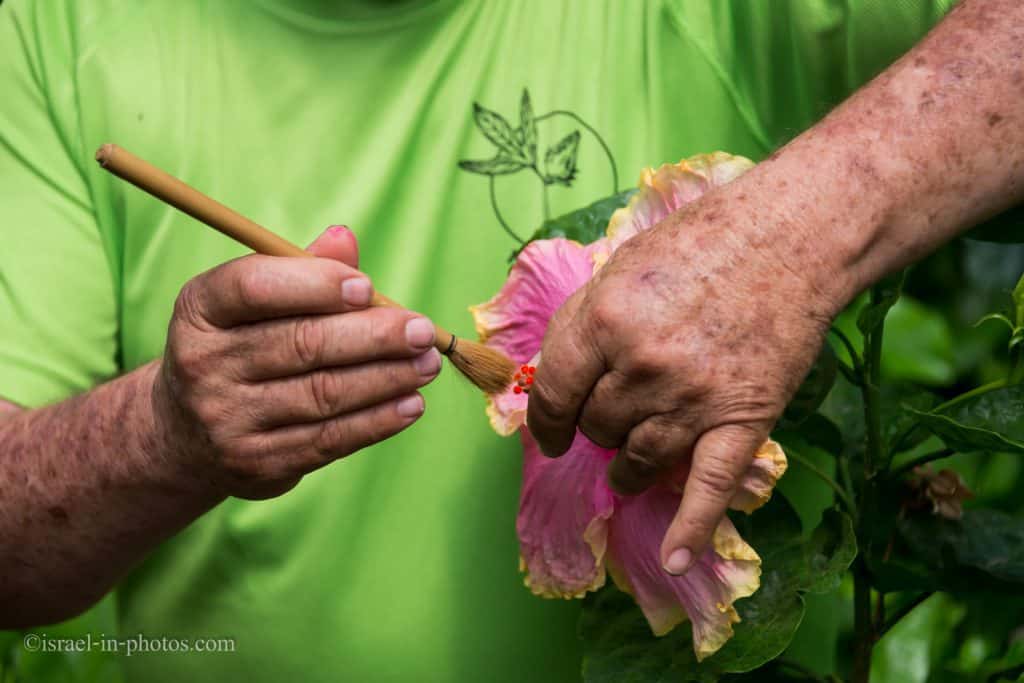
918 345
499 165
912 651
1018 301
817 431
527 132
584 225
883 295
990 421
496 129
560 159
813 389
995 316
985 549
618 644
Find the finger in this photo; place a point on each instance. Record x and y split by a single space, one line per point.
257 287
293 346
569 368
608 414
310 446
652 450
720 457
324 394
337 242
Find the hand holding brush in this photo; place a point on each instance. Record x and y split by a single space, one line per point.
486 368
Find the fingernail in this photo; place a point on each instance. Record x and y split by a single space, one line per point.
410 406
337 230
678 562
419 333
356 291
429 363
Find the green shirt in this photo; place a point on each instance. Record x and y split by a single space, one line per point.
400 562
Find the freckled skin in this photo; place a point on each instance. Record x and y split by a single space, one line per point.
92 484
748 278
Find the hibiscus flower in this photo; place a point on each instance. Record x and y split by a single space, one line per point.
573 529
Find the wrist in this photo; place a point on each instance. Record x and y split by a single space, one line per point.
170 451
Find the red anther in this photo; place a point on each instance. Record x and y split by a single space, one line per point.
517 377
517 389
524 369
529 381
530 369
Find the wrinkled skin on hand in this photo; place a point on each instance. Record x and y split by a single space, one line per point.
275 367
682 351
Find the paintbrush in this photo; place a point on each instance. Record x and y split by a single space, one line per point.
487 368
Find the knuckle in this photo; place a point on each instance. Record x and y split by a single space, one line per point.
323 391
716 479
385 328
640 464
695 526
606 316
309 341
646 361
332 439
255 288
749 406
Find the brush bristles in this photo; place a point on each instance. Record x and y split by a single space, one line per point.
487 368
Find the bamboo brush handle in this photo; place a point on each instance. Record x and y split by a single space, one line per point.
186 198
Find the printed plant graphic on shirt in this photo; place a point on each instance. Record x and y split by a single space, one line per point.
517 150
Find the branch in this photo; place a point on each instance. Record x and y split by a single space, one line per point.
814 469
921 460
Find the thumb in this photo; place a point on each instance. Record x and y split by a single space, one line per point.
720 457
337 242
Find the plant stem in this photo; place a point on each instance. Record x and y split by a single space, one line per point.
984 388
871 389
864 635
501 219
547 203
921 460
903 611
874 453
799 668
850 348
1016 375
815 470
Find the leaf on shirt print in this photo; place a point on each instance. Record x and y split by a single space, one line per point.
560 159
496 129
499 165
527 132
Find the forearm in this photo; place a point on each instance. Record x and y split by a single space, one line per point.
928 149
88 489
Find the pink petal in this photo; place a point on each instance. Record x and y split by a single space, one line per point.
546 273
728 571
563 515
668 188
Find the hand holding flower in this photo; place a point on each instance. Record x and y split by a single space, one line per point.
686 345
